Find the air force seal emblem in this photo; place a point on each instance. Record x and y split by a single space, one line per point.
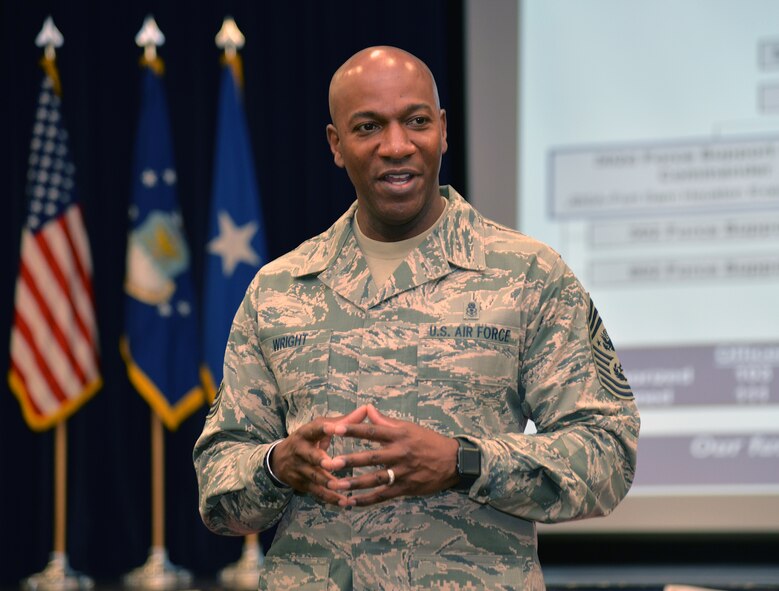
157 253
610 372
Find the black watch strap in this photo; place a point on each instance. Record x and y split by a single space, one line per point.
468 463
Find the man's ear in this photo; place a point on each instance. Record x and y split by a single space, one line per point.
335 145
445 145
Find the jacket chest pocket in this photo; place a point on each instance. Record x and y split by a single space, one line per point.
299 362
470 371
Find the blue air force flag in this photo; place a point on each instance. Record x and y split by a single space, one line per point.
236 237
159 344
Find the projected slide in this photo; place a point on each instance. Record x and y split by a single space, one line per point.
649 158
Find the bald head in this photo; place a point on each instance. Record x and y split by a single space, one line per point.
389 132
370 61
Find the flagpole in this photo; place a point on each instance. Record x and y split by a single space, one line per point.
157 482
157 573
60 485
244 573
57 575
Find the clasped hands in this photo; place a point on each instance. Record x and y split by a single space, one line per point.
408 459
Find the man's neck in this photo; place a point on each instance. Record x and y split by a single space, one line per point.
383 257
375 230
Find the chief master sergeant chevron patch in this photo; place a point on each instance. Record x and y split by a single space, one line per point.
609 368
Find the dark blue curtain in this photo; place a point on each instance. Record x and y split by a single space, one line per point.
292 49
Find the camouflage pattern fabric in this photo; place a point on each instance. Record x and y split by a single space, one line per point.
479 329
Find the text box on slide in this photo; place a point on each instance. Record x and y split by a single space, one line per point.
664 178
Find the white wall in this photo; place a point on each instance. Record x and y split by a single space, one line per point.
491 106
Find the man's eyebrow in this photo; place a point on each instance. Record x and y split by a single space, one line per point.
363 115
375 115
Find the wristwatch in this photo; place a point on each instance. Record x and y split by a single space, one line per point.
468 463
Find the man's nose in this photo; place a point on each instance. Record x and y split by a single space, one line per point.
396 142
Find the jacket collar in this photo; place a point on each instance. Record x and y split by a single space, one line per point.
338 261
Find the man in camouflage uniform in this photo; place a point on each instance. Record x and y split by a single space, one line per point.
368 369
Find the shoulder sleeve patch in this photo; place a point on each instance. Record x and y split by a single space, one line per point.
609 368
217 401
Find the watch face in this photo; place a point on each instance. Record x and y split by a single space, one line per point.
469 461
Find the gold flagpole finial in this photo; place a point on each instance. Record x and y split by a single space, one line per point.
49 38
230 39
150 38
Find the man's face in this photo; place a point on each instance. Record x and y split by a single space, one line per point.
389 134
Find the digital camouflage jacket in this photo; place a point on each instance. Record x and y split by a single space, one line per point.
480 329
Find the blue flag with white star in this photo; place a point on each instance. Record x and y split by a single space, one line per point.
236 247
159 344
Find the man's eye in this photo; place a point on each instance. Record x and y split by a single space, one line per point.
367 127
419 121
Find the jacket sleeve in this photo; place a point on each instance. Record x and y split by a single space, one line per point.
582 460
235 494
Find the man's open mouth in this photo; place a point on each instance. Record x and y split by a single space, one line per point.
397 178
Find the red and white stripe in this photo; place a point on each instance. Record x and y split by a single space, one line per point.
54 342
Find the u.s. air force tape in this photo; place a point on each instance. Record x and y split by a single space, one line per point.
609 368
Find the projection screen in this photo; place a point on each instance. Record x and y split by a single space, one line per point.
647 154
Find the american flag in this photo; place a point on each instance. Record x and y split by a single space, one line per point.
54 357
